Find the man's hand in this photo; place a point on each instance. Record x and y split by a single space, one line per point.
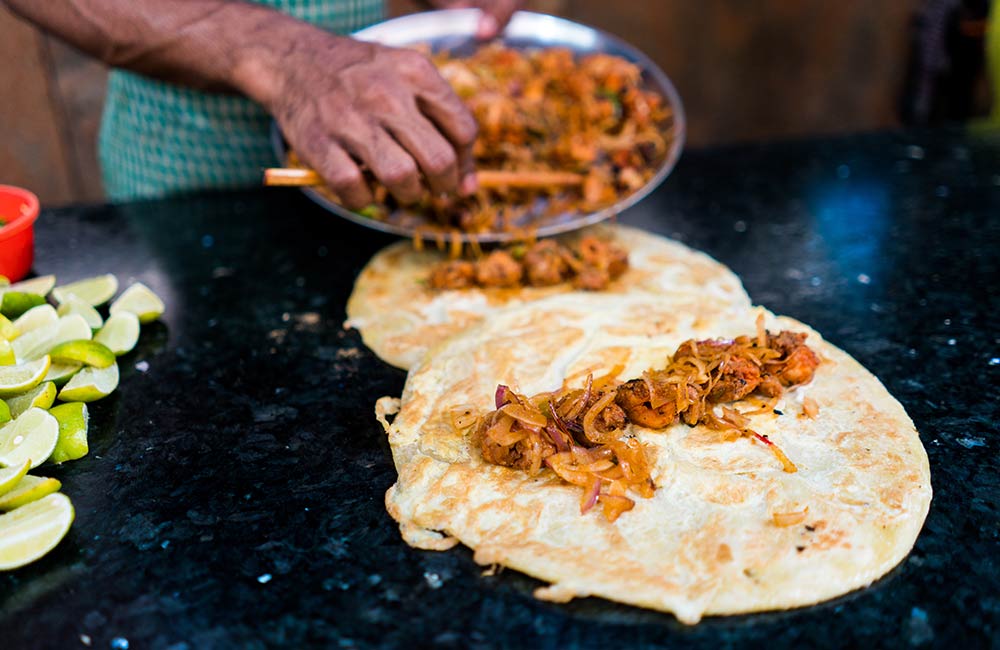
340 102
496 13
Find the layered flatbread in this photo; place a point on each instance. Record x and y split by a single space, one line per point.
707 541
400 317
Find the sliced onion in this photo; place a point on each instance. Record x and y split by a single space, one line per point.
600 382
525 414
785 519
589 426
590 496
615 506
464 417
786 464
809 407
581 402
568 426
501 395
599 466
558 439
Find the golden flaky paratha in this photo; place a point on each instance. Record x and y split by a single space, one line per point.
706 542
400 317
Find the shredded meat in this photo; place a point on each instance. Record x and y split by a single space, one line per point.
769 386
578 432
591 278
591 266
498 269
633 397
453 274
545 264
739 377
797 362
603 255
520 455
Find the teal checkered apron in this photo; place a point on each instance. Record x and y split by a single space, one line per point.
159 139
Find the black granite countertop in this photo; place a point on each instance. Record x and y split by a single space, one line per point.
233 495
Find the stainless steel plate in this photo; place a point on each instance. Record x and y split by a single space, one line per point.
454 30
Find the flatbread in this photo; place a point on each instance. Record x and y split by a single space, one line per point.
706 542
400 317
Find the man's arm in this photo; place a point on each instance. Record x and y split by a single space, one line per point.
340 102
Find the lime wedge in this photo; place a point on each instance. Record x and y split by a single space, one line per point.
35 318
59 373
11 476
38 342
141 301
41 285
32 436
6 353
94 291
7 329
5 415
90 384
90 353
43 396
74 305
30 532
31 488
16 303
72 444
120 332
22 377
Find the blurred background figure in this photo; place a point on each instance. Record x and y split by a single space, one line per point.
746 71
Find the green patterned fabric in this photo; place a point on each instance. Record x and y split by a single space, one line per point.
159 139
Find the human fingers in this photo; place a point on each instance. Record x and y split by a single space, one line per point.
434 154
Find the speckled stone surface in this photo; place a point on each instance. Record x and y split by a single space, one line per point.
233 493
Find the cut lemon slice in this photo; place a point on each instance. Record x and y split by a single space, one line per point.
94 291
23 376
30 532
41 285
60 373
73 420
7 329
11 476
32 436
35 318
16 303
120 332
43 396
38 342
30 488
90 353
74 305
6 353
141 301
90 384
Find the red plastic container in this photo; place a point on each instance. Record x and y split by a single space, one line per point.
18 211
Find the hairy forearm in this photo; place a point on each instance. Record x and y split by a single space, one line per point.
217 45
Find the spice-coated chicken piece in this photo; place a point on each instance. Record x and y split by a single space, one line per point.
545 264
797 362
633 397
498 269
453 274
738 378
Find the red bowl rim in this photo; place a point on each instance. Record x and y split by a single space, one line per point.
27 216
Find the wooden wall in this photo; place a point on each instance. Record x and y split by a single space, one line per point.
745 69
